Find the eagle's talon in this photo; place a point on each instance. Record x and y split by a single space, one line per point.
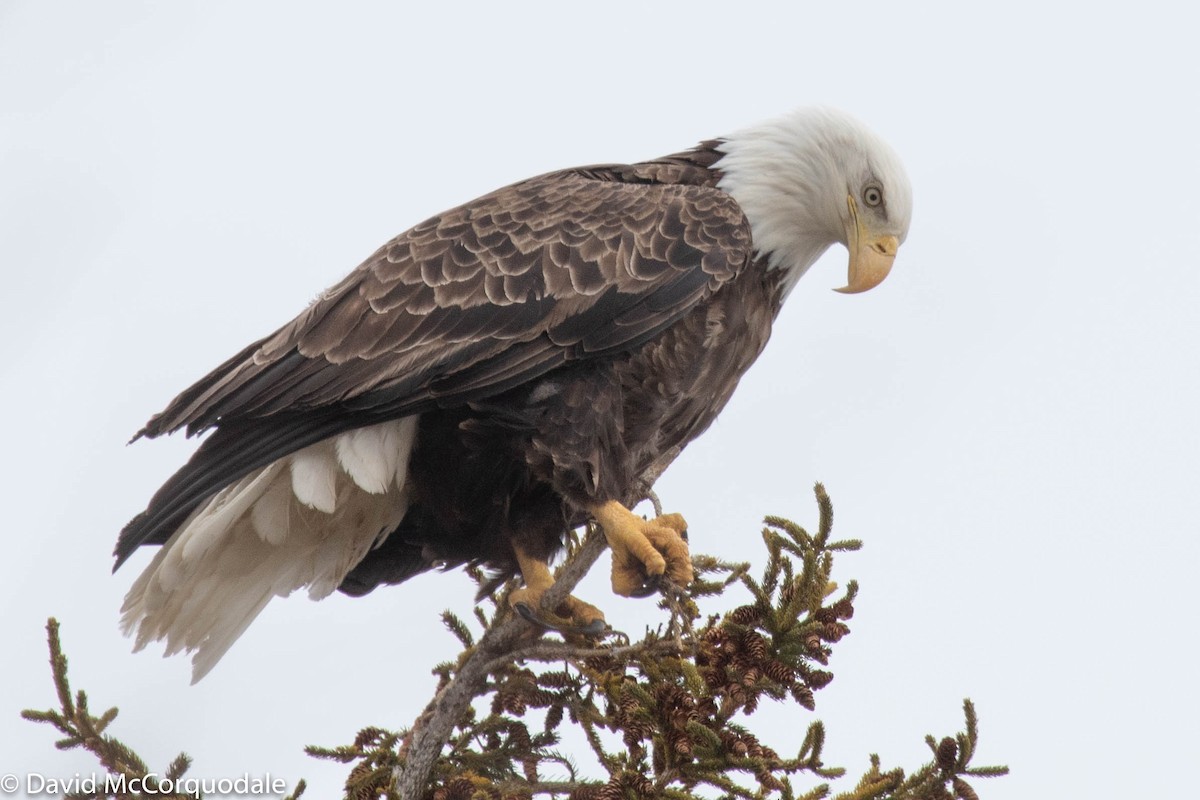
528 613
594 629
650 586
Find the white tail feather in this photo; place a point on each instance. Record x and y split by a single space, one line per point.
271 516
226 507
369 459
314 476
303 521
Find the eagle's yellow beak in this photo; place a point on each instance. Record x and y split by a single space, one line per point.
871 257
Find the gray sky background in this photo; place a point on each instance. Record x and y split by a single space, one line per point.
1009 421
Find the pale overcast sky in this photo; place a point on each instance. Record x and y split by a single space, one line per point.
1009 421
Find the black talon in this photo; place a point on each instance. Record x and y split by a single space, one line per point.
528 614
649 587
595 628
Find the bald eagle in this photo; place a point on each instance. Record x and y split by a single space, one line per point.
499 374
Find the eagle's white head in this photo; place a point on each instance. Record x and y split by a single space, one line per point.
813 178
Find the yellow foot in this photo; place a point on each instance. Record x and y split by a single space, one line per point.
644 550
572 615
576 615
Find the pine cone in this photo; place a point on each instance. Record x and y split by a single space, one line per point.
947 753
560 679
755 645
745 615
819 679
834 631
963 790
612 791
779 672
844 608
804 696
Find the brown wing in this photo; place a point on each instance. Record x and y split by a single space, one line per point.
566 266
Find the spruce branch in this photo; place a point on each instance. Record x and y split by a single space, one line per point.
665 716
81 729
941 779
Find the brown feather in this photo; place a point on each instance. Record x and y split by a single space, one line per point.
421 303
466 305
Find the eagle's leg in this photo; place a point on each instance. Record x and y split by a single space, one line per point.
644 550
527 601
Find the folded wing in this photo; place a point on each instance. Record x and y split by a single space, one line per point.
570 265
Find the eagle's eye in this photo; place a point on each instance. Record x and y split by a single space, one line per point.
872 196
